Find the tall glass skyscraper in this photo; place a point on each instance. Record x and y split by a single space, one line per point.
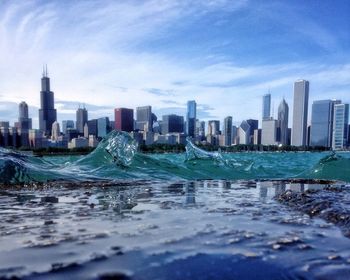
322 122
47 111
228 131
81 119
283 115
340 126
266 106
300 111
191 118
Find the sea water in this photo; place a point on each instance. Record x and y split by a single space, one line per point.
120 214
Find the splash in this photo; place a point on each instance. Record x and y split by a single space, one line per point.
194 152
119 146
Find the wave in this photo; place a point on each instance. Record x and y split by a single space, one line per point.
116 157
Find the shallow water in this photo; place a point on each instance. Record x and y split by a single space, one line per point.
214 229
120 214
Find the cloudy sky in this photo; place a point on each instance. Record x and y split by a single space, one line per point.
224 54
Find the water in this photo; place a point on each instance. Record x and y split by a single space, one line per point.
116 158
119 214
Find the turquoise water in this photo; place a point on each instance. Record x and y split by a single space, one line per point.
117 158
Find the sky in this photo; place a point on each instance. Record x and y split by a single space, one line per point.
224 54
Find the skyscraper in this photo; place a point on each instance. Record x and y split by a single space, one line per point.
23 112
322 122
266 106
47 111
172 123
244 133
213 127
191 118
81 119
92 127
124 119
300 111
283 114
200 130
103 127
67 124
24 124
55 131
144 118
269 131
340 126
228 131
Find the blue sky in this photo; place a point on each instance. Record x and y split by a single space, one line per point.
224 54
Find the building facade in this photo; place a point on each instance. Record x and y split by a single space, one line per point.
340 126
144 120
47 111
67 124
81 119
228 131
103 127
269 132
322 122
92 127
124 119
283 116
191 118
24 121
213 127
172 123
266 106
300 112
55 134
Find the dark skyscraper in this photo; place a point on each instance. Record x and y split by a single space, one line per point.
228 131
191 118
82 119
172 123
322 122
92 127
47 112
124 119
283 114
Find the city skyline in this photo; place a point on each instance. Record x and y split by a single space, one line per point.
327 129
156 52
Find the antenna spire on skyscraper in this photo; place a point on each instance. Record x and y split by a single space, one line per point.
45 72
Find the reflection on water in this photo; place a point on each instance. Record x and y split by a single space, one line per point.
182 230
